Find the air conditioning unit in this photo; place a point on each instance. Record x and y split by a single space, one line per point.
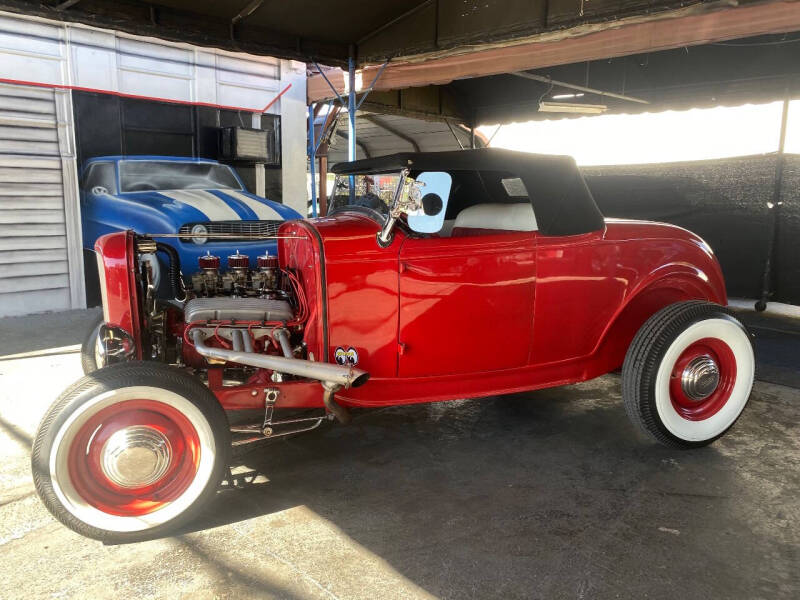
253 145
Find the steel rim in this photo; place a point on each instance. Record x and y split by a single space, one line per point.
702 379
134 498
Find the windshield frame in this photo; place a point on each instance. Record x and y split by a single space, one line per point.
375 215
121 163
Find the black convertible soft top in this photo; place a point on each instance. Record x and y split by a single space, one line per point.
561 201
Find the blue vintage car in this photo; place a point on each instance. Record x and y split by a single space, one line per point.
167 194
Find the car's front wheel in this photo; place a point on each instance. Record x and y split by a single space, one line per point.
688 374
130 452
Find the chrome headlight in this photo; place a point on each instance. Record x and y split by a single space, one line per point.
199 230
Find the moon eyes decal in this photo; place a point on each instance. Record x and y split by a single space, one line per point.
352 356
347 356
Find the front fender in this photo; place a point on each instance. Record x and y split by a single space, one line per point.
116 267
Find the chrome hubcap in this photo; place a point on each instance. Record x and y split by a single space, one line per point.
700 378
135 456
99 352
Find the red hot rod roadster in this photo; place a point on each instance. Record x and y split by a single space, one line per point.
435 276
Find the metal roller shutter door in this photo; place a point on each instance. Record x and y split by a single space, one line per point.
35 165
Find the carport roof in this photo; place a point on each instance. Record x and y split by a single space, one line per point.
381 134
407 29
470 49
700 55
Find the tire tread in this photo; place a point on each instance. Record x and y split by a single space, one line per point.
88 362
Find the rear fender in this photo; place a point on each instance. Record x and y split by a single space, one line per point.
667 285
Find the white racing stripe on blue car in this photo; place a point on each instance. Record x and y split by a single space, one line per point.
263 212
214 208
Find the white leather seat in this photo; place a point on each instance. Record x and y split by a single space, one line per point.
505 217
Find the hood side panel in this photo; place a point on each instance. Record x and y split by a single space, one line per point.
362 291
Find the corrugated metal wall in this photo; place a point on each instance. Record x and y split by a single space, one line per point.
35 252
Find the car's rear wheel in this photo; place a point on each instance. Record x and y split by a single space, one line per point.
130 452
688 374
91 357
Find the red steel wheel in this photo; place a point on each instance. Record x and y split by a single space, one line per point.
130 451
134 457
702 379
688 374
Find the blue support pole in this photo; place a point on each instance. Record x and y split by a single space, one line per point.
312 156
351 107
351 119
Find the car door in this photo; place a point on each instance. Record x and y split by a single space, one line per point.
581 283
466 303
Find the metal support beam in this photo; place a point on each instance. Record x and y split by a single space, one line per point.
328 81
395 132
579 88
312 159
323 185
453 131
66 4
371 85
351 105
776 208
489 143
359 143
394 21
247 11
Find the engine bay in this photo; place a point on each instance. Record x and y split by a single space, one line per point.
252 309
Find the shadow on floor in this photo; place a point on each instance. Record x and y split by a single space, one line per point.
36 333
547 494
17 434
777 342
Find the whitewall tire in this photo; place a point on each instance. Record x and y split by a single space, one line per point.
130 452
688 374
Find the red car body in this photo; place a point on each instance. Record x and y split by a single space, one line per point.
436 276
444 318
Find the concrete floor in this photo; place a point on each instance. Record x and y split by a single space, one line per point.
542 495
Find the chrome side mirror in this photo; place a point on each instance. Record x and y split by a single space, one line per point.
424 200
431 193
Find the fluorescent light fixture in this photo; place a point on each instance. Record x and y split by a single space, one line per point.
566 96
571 107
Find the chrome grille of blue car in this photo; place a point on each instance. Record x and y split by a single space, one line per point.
233 230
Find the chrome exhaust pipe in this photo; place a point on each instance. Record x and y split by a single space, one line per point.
333 375
282 336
